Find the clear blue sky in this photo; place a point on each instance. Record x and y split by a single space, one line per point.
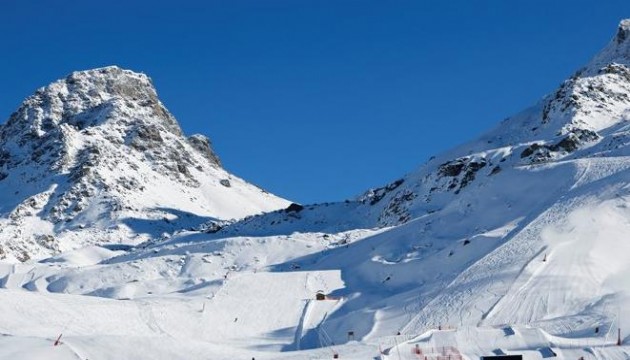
315 100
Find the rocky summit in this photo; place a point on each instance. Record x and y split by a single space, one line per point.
98 154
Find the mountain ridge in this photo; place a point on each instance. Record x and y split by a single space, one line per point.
569 123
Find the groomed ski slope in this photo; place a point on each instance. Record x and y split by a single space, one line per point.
532 286
261 306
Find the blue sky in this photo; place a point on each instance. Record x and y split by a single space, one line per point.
315 100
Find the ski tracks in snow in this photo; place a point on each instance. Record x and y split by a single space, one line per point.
489 277
73 349
145 311
300 327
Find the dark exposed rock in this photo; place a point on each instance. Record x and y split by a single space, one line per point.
147 137
531 149
202 144
573 140
471 170
617 69
47 241
212 227
376 195
568 144
23 256
462 172
563 99
452 168
294 208
623 33
5 158
396 211
183 169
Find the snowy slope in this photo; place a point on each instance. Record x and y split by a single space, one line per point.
472 226
514 243
97 158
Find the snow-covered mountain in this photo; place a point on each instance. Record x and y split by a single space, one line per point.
514 243
96 158
587 117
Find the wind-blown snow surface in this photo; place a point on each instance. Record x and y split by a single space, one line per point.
515 243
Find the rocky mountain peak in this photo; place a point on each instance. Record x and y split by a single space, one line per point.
616 52
88 98
623 33
120 105
98 151
113 81
585 117
596 97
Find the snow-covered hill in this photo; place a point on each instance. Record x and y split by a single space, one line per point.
514 243
97 158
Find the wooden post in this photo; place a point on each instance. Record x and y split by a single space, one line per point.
618 336
58 341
